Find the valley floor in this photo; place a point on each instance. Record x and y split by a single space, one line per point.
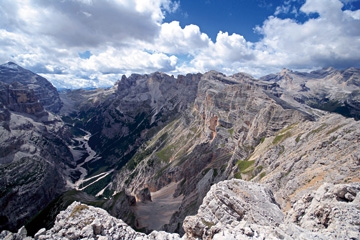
155 214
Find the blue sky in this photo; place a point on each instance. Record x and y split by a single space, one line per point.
233 16
240 16
92 43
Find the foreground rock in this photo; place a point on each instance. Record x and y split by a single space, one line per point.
233 209
236 209
333 211
80 221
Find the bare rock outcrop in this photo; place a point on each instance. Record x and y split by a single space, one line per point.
42 88
80 221
32 162
33 155
229 117
234 205
156 133
236 209
19 98
232 209
332 211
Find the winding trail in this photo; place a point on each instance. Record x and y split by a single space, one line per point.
77 155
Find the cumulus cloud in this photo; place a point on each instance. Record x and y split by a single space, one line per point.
174 39
87 23
331 39
48 37
225 52
127 36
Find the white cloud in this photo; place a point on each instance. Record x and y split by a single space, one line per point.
332 39
46 36
227 51
128 36
353 14
177 40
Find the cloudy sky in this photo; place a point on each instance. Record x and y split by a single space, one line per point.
91 43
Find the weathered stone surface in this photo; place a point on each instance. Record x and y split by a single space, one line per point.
237 209
32 161
331 210
33 154
232 209
80 221
42 88
300 158
19 98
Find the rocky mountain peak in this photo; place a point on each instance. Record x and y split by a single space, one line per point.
11 65
43 89
285 71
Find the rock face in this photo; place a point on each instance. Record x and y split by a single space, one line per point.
140 105
32 160
19 98
229 117
237 209
332 211
301 157
135 110
232 209
238 128
42 88
33 154
237 204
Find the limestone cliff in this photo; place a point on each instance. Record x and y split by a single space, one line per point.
42 88
19 98
33 155
203 145
136 109
33 159
238 128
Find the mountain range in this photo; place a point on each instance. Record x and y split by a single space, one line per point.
155 150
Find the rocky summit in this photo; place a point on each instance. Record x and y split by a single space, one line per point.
199 156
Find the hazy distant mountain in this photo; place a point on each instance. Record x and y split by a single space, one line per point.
327 89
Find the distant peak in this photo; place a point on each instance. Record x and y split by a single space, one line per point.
214 73
330 69
11 65
285 71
